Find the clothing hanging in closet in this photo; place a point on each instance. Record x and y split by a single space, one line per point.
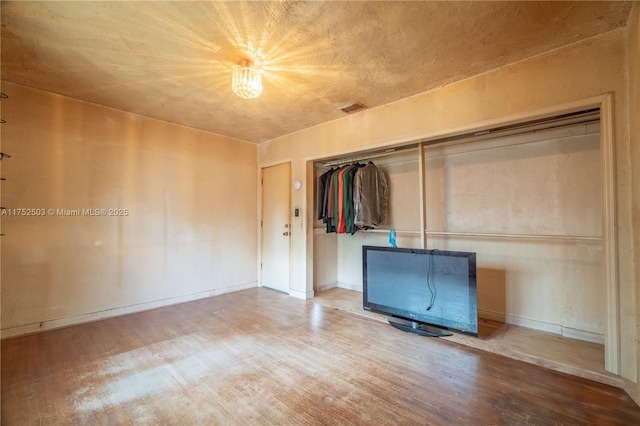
370 192
352 197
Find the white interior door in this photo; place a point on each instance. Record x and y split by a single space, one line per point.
276 227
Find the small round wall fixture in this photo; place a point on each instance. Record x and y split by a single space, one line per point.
297 185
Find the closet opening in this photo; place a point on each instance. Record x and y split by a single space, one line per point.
533 200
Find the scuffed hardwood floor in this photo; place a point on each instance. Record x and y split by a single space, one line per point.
576 357
261 357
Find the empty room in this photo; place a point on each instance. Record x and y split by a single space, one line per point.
320 212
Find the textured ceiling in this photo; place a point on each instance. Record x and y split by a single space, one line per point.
173 60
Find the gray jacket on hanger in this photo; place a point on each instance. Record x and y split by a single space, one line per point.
370 195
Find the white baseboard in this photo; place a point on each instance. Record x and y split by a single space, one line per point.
542 326
587 336
349 286
522 322
124 310
338 284
304 295
327 286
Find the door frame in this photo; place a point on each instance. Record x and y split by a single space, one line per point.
259 215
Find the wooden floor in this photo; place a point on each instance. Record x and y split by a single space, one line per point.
261 357
577 357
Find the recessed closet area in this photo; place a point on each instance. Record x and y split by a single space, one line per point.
581 77
527 201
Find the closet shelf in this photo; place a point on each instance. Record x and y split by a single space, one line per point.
590 238
583 238
386 231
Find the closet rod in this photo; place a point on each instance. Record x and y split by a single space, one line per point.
363 157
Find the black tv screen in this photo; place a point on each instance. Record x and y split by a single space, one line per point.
433 287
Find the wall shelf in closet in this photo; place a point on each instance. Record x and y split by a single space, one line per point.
594 239
386 231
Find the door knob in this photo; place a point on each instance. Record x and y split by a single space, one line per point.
285 233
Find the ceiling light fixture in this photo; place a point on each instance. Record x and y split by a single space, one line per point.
247 80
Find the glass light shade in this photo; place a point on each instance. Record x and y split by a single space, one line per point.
247 82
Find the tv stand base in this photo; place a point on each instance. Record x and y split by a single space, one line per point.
418 327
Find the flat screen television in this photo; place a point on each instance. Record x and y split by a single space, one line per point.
427 292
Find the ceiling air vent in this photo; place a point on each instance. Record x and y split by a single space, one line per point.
353 107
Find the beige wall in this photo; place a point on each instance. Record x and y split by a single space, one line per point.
190 225
545 186
543 84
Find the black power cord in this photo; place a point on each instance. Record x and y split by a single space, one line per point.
430 284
